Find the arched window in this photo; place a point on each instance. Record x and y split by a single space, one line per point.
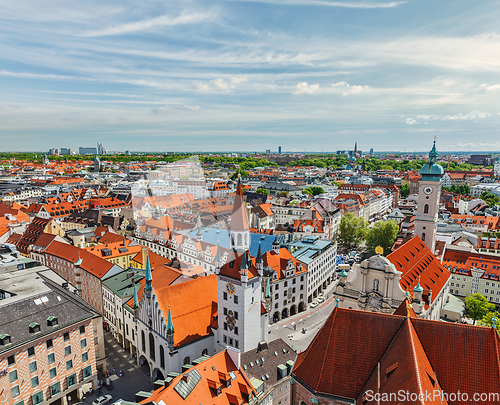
143 341
426 208
187 360
239 239
151 346
276 296
162 357
204 352
423 237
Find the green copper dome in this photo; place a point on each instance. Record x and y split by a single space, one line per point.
343 273
431 170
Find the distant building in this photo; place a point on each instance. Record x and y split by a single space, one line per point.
371 152
65 151
279 150
496 169
87 151
268 151
100 149
53 151
485 160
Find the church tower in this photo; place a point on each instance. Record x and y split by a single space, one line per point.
242 322
428 200
239 229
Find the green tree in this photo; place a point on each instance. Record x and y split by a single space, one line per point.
489 198
262 191
405 190
384 234
351 231
315 190
239 173
487 320
478 306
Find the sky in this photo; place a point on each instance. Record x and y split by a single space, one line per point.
250 75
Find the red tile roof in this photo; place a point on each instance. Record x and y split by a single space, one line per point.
416 262
239 216
412 354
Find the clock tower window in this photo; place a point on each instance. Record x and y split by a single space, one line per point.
426 208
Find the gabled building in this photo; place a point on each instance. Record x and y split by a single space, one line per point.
217 380
369 358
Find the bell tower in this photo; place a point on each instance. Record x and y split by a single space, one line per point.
238 227
428 200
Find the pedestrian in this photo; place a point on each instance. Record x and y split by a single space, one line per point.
114 371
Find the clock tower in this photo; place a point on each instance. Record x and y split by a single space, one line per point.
241 320
428 200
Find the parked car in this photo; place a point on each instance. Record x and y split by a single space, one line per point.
321 299
102 400
314 304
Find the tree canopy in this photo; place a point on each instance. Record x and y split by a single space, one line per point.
489 198
351 231
262 191
478 306
314 190
384 234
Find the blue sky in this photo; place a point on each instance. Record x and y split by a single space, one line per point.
250 75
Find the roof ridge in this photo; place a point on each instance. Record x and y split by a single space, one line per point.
334 316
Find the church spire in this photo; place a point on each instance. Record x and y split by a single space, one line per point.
149 276
239 229
136 300
170 331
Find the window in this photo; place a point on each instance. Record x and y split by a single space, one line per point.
13 376
33 367
235 314
55 389
34 382
82 329
71 380
235 330
67 350
276 296
31 351
235 299
236 344
83 343
53 372
66 336
37 398
426 208
69 364
87 371
423 237
225 325
187 360
49 343
225 296
15 391
225 339
85 357
51 358
225 311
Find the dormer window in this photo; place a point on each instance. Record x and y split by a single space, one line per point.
5 339
52 321
34 327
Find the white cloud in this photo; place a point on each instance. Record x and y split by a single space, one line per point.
412 121
219 84
490 88
161 21
169 109
24 75
473 115
348 89
304 88
345 4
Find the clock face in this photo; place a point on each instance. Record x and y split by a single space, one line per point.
428 190
230 288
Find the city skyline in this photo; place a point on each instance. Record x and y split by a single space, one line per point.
235 75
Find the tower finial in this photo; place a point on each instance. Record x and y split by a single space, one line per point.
149 276
494 320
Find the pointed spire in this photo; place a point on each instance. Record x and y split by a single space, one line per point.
149 276
494 320
170 324
337 300
136 300
259 256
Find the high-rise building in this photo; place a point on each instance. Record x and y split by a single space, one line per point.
65 151
87 151
100 149
371 152
279 150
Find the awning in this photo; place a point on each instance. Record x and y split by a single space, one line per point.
85 388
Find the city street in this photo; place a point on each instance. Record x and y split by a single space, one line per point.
124 387
311 320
